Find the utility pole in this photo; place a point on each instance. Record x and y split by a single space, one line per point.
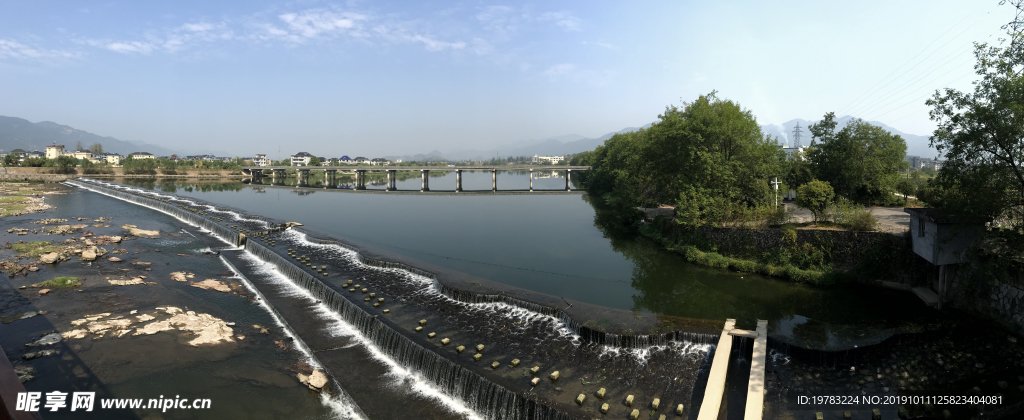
775 186
796 136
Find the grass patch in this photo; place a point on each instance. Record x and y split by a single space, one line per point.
12 209
8 199
35 248
716 260
60 283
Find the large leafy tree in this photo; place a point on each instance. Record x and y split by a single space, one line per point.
707 156
981 135
861 161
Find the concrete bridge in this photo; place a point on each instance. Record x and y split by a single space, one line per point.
360 173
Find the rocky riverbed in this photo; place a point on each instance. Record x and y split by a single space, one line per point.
89 302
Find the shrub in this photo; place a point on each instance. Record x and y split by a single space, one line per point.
853 217
744 266
815 196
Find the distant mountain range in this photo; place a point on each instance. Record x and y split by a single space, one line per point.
916 145
18 133
550 146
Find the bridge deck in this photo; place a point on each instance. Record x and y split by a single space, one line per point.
426 168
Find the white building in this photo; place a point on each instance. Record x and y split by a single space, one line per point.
791 150
301 159
55 151
260 160
554 160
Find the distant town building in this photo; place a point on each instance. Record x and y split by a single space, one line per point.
380 161
361 160
791 150
554 160
328 161
345 160
55 151
142 155
113 158
260 160
301 159
84 154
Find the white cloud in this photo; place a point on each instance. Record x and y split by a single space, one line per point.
564 20
435 45
316 22
130 47
197 27
13 49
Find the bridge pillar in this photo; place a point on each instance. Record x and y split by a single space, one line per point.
425 181
531 180
568 173
458 180
392 180
303 177
494 180
329 177
360 180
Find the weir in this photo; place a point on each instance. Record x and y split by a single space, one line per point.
481 394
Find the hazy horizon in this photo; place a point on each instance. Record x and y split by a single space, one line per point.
372 79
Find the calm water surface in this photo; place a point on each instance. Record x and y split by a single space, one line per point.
555 244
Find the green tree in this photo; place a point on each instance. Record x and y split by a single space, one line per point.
815 196
65 164
861 161
981 136
797 170
314 161
906 187
96 148
12 159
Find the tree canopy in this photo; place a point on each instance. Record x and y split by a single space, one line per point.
707 154
861 161
981 135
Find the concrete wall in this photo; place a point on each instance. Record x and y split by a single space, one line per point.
941 243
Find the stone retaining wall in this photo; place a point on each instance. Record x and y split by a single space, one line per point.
888 257
998 297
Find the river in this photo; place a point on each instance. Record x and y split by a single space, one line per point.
555 244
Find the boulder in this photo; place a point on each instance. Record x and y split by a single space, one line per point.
44 291
211 284
89 254
318 379
114 259
50 258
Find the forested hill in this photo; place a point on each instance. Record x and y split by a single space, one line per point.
19 133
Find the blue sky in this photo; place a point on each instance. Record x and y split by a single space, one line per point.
384 78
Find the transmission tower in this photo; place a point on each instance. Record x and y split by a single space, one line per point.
796 136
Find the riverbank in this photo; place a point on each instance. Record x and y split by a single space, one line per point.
95 302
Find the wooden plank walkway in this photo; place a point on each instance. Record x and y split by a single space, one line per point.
712 403
755 386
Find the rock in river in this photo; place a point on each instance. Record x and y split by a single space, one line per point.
50 258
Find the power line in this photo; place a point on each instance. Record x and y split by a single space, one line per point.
914 67
858 99
892 98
